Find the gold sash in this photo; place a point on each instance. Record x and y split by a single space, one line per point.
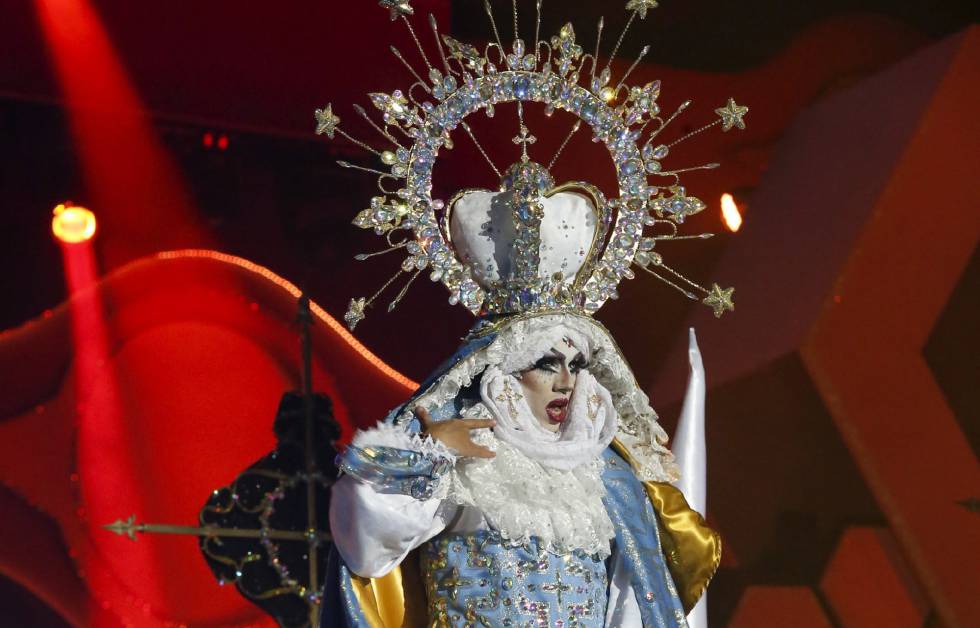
692 549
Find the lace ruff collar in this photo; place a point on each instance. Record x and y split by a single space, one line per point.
522 498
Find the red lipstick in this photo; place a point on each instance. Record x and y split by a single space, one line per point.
557 410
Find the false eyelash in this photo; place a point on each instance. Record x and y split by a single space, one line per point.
547 364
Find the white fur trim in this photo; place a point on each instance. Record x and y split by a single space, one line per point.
397 437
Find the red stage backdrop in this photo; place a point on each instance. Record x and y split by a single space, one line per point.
200 348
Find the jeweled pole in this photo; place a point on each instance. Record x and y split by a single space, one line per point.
306 322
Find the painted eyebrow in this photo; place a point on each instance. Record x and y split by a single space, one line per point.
558 355
549 357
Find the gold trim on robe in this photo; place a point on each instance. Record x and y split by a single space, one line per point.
394 601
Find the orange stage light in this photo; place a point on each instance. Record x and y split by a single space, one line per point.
730 213
121 158
72 225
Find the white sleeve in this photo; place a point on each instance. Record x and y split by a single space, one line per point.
375 531
376 514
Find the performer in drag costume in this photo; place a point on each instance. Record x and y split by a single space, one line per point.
527 481
556 529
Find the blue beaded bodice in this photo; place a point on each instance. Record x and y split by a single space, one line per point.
476 580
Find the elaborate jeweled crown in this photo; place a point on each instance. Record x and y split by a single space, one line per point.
530 246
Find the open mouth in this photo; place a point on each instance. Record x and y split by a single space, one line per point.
557 410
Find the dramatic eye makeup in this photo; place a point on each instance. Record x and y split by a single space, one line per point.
578 363
551 363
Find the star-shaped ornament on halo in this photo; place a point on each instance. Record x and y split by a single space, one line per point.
731 115
719 300
641 6
398 8
355 312
326 121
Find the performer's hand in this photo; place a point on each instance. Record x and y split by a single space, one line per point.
455 433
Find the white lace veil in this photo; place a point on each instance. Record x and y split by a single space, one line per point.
520 342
